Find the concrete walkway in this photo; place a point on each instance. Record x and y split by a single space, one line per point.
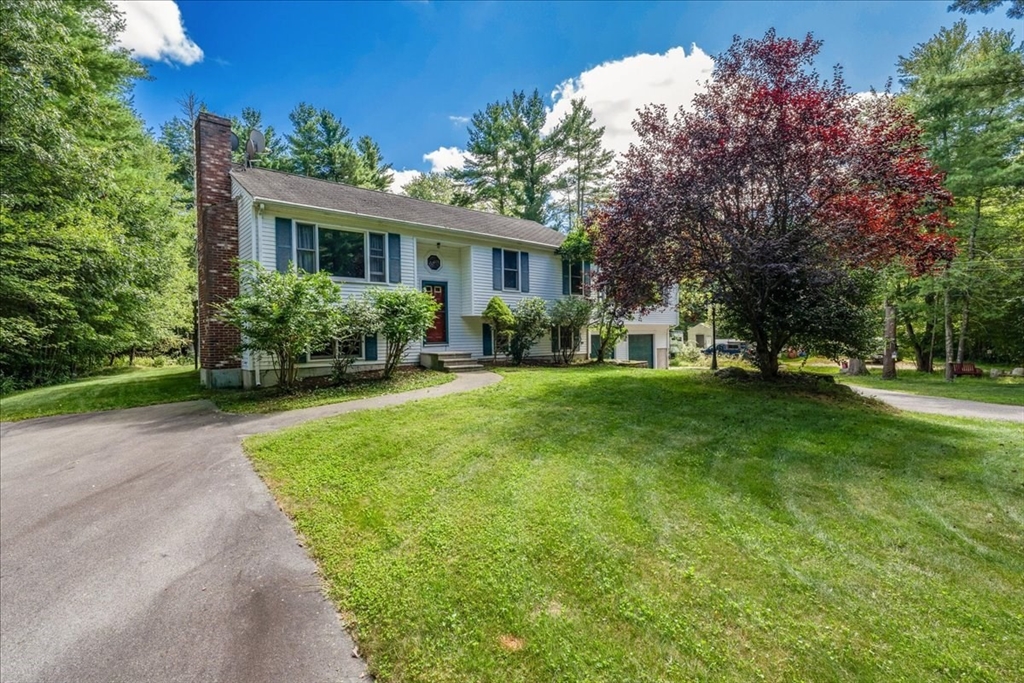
936 405
139 545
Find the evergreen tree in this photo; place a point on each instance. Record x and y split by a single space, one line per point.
584 165
373 172
509 159
242 126
968 94
177 136
532 154
488 171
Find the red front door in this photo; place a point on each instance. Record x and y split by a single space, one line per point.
438 334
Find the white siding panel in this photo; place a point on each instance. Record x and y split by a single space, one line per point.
545 279
245 222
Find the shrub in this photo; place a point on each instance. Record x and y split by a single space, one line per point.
573 314
500 317
283 314
530 321
405 315
357 318
609 318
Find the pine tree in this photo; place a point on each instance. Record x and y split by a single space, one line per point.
373 172
488 170
968 94
532 153
585 166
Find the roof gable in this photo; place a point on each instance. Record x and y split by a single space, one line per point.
324 194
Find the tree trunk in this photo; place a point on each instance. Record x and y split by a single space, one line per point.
949 335
131 357
965 313
889 358
922 357
857 366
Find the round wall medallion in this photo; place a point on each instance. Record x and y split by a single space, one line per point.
434 262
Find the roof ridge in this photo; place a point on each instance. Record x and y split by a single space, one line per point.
245 169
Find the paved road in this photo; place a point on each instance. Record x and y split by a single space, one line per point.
139 545
943 406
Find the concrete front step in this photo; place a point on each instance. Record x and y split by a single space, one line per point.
465 366
444 360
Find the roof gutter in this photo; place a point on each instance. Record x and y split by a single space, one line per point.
401 222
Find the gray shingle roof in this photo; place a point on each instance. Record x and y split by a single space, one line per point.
295 189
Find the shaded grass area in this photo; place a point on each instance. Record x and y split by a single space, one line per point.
271 400
131 388
1004 390
607 524
124 388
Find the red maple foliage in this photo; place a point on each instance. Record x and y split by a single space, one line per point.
771 189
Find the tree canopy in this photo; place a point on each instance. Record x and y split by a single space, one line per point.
772 190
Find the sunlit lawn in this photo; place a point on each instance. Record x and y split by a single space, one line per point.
1006 390
601 524
143 387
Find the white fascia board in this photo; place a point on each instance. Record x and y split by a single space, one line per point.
409 224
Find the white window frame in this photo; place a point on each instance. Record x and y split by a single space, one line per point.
366 250
519 270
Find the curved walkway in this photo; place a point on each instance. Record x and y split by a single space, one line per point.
139 545
936 405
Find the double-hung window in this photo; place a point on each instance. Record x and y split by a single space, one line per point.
510 261
576 278
305 247
377 258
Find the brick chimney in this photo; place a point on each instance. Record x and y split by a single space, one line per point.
217 251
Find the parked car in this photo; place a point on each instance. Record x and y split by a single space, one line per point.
727 347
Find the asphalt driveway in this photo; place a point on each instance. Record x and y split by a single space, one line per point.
139 545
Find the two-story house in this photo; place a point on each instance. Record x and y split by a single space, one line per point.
365 238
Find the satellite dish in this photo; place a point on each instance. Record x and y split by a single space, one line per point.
258 141
234 142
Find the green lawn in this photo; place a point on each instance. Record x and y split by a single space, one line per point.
1007 390
602 524
143 387
272 400
127 388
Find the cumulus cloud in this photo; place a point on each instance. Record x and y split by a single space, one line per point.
615 90
154 30
402 178
445 157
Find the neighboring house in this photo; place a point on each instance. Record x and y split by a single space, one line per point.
699 335
366 238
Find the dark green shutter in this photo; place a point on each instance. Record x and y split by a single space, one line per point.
554 340
394 258
565 278
488 341
371 347
283 235
524 272
496 267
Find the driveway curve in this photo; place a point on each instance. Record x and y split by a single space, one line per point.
943 406
139 545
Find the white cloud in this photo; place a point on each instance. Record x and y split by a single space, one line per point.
459 120
403 178
444 157
154 30
615 90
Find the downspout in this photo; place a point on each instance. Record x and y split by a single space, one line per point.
259 259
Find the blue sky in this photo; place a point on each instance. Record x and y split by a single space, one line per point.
405 72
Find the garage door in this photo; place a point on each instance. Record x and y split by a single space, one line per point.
641 347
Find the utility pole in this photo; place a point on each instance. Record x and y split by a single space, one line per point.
714 340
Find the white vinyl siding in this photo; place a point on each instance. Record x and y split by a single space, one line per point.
545 278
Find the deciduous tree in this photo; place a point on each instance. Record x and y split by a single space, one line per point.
771 190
